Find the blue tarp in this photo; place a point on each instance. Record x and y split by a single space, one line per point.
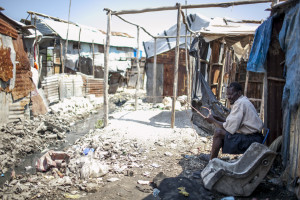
258 54
289 39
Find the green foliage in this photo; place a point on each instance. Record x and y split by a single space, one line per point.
99 124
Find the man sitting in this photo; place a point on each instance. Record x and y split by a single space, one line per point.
241 127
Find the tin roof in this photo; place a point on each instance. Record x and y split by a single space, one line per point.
87 34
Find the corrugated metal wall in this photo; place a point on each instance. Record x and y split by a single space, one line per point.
168 61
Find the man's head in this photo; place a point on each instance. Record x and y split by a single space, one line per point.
234 91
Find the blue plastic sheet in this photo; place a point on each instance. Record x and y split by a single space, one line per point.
289 39
258 54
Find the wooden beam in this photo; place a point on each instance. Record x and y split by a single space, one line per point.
176 67
106 60
276 79
222 71
208 5
133 24
93 47
191 70
246 83
161 37
187 69
50 17
138 67
154 71
62 57
79 66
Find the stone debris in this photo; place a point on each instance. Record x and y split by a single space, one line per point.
25 137
118 151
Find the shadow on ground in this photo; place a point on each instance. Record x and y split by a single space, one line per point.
190 179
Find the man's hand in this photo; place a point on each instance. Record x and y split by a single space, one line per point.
210 119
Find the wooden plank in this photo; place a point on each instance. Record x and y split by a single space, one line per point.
276 79
208 5
106 59
138 68
93 58
222 72
187 69
246 83
78 63
176 67
154 72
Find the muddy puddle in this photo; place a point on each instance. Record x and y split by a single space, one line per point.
27 164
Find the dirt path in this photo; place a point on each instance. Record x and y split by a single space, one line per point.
135 147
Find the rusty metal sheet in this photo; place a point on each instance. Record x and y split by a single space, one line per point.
23 83
7 29
6 66
167 59
17 109
38 106
93 86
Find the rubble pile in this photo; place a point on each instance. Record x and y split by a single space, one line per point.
24 137
76 108
102 156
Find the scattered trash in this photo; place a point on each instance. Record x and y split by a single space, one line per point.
141 182
28 168
188 156
112 179
228 198
52 159
72 196
147 174
130 173
2 175
155 165
168 153
92 168
183 192
87 150
58 172
155 192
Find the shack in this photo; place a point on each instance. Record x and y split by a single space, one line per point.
18 94
84 52
276 55
165 50
221 52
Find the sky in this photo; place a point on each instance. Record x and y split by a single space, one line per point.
91 13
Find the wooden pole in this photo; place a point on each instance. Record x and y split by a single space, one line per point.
191 72
187 69
66 47
106 59
61 57
138 67
222 72
93 58
78 63
246 83
154 72
176 66
264 101
208 5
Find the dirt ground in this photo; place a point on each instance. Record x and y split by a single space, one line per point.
137 151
